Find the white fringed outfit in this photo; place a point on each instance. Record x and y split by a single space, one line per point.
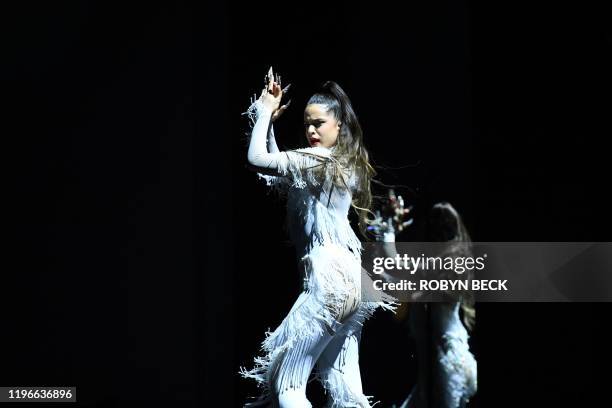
323 327
448 379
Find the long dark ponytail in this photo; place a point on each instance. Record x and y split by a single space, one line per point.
349 150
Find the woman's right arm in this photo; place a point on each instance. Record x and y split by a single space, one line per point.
385 230
263 155
272 146
258 156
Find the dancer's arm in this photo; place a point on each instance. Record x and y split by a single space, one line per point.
385 226
272 146
259 158
293 163
385 230
386 236
263 154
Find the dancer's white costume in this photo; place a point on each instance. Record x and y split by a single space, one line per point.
448 379
324 325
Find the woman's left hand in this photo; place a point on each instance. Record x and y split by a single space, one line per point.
399 211
392 220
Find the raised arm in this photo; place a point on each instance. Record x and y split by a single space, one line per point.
263 154
258 156
272 146
385 234
384 227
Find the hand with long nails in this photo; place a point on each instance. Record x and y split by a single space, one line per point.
272 94
390 223
399 212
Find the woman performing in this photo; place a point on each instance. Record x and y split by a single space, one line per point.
447 371
321 182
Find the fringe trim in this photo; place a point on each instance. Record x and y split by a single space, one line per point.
329 280
460 366
332 263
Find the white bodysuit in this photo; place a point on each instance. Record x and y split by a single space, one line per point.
323 327
447 370
448 378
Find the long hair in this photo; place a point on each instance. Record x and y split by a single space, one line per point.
349 149
446 225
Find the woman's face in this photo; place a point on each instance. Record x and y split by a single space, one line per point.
321 127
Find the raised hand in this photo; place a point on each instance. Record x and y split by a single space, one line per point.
272 94
392 219
399 212
380 228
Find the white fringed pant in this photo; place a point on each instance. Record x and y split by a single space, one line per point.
337 366
321 333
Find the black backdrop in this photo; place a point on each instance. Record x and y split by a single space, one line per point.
145 261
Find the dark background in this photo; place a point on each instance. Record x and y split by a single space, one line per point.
145 262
